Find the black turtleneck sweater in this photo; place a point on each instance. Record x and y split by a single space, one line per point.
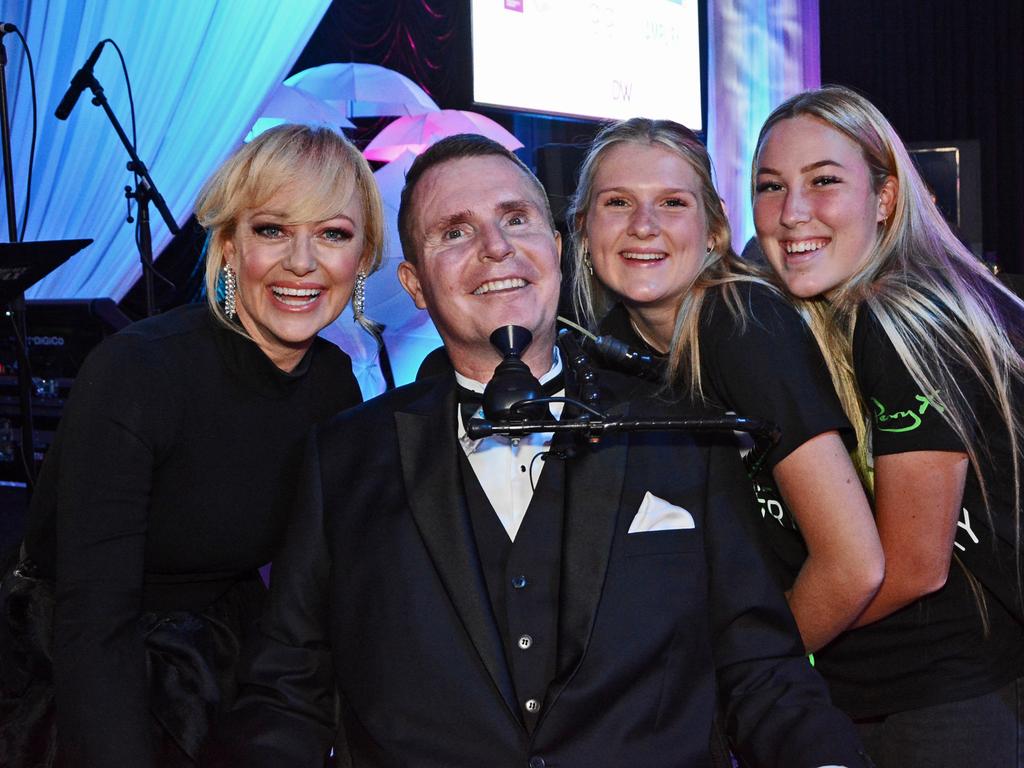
170 479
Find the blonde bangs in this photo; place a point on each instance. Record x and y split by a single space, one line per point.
327 175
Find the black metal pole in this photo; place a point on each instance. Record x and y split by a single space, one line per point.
142 195
136 165
16 308
145 191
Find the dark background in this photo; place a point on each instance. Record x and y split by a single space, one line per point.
944 70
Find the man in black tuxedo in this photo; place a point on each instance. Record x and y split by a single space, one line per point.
444 602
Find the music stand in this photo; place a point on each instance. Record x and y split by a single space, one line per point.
21 266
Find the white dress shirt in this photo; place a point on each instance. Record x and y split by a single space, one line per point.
509 469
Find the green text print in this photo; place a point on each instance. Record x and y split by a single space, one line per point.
903 421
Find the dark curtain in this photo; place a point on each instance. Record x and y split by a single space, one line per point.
944 70
426 40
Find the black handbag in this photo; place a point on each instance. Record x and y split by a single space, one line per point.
27 714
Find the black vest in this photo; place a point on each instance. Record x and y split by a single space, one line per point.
523 579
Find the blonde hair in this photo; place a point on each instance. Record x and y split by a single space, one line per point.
721 267
941 309
325 171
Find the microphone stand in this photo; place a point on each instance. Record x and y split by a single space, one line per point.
513 407
144 192
597 423
592 424
16 307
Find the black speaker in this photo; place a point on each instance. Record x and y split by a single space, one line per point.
60 336
952 170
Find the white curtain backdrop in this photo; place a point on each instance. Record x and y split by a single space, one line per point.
199 71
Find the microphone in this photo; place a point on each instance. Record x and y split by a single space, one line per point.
78 84
630 360
6 26
512 381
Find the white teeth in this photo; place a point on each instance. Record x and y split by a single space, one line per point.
500 285
282 291
643 256
295 297
805 246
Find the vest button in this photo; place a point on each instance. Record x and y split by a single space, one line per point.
525 642
518 582
537 762
532 705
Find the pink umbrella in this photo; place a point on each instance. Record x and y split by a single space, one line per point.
363 90
416 133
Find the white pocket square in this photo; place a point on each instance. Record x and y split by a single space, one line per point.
658 515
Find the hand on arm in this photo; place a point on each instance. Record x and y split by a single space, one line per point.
844 565
917 503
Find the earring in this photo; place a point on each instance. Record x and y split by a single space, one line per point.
588 264
359 297
709 250
230 288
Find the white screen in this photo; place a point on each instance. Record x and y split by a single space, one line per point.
610 59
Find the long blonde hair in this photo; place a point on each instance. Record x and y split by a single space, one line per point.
721 266
325 169
941 309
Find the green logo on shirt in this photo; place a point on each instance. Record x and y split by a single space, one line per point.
903 421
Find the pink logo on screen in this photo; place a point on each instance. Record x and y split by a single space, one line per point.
514 5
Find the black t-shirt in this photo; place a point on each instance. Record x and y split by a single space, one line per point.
905 419
767 368
933 650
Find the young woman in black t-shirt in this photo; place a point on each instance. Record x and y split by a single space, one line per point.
923 344
655 266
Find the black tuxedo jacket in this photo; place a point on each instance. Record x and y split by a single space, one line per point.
379 636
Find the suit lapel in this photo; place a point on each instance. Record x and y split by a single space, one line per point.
430 470
593 490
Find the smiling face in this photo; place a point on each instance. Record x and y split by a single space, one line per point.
487 257
293 279
646 228
815 209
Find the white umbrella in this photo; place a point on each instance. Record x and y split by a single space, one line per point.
290 105
364 90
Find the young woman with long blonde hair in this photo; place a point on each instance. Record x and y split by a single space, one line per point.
923 344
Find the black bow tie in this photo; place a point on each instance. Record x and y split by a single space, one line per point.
471 403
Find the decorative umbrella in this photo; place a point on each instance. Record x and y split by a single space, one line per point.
363 90
290 105
415 133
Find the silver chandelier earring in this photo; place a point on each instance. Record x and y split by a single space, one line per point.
588 264
372 327
230 289
359 297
